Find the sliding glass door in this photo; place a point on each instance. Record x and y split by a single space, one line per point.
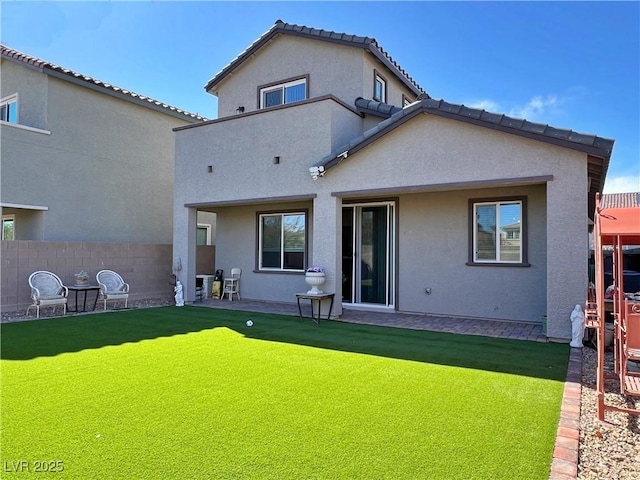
368 254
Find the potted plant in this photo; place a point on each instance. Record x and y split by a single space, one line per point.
82 278
314 276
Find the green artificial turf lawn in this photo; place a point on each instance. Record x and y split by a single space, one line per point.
188 393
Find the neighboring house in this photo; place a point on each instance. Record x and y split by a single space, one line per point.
83 160
326 152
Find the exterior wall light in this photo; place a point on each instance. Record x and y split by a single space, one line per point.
316 172
239 110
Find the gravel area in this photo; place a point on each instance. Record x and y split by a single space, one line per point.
608 450
611 449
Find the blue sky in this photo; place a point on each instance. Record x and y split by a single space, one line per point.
569 64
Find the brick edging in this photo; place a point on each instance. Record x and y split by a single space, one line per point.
564 465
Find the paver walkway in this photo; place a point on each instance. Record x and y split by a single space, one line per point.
466 326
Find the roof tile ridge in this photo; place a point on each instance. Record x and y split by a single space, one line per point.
374 42
23 57
72 73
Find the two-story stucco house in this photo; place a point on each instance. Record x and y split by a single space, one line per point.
326 152
86 180
83 160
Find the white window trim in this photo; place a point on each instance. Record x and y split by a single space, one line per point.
24 127
497 204
383 83
282 86
6 101
281 268
208 227
9 217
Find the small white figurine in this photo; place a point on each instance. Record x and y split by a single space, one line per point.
179 296
577 327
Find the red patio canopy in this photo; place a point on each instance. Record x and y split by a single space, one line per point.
620 217
616 224
620 222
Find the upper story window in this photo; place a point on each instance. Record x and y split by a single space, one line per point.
406 101
498 231
9 108
288 91
379 88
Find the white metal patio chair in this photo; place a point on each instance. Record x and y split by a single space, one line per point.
112 287
231 285
47 290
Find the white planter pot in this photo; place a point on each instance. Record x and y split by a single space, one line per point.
314 279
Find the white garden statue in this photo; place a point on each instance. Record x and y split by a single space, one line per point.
179 294
577 327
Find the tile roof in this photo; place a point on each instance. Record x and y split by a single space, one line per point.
372 107
620 200
591 144
597 148
65 73
281 27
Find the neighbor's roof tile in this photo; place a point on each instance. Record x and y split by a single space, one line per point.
41 64
620 200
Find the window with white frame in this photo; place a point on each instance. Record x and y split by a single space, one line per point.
282 241
8 227
203 234
9 108
498 231
283 93
379 88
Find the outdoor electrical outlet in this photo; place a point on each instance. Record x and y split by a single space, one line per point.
427 290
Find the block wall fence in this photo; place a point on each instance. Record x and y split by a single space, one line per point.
145 267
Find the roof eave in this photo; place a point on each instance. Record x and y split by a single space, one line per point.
589 149
173 112
375 50
56 71
239 60
415 109
366 43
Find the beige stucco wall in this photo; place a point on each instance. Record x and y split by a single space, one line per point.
433 252
239 242
434 151
240 152
32 88
104 170
425 163
333 69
